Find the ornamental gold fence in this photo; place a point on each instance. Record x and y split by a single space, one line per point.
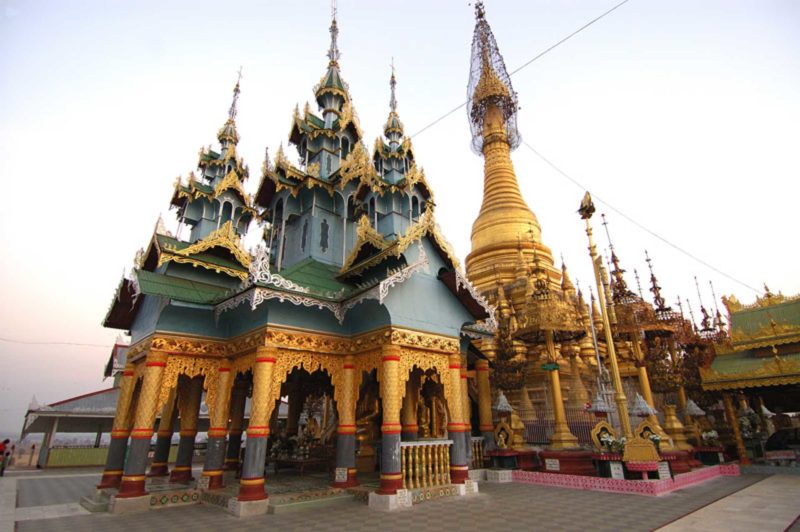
477 453
425 463
539 420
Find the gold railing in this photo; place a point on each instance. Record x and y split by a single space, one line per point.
425 463
477 453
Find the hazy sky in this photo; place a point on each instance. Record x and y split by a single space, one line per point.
682 114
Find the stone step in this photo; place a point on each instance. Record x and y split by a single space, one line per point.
94 505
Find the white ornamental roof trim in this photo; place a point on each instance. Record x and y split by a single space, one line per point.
489 324
256 295
260 273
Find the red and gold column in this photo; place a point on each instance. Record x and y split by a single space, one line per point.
346 431
465 409
121 429
218 427
132 484
484 403
190 393
159 466
459 470
251 487
391 475
238 400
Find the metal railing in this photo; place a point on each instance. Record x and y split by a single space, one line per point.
425 463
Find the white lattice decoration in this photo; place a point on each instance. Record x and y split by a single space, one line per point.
463 282
257 295
260 273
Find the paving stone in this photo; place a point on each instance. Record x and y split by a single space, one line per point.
522 506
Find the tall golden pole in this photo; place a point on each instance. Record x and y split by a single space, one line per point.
562 438
586 211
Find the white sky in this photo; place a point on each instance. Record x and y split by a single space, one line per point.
682 114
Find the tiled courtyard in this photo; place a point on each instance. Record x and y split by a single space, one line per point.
47 501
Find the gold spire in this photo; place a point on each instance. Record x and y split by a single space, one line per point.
504 219
566 283
489 85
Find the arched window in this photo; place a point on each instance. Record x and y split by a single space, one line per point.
414 208
373 215
345 147
227 212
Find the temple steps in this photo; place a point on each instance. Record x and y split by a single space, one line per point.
98 502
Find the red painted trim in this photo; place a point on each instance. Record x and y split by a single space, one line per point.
481 368
224 370
455 366
127 373
391 358
266 359
155 364
349 366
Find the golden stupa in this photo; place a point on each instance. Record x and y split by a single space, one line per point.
505 224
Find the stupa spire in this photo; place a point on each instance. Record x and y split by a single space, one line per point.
332 92
504 217
333 51
658 299
228 134
619 288
393 129
393 85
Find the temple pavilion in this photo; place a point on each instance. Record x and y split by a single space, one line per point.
353 308
352 297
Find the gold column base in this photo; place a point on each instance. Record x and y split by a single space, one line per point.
562 439
675 429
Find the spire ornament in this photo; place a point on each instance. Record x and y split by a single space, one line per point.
392 85
489 86
333 51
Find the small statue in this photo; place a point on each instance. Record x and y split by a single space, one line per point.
439 414
501 440
312 428
367 413
423 418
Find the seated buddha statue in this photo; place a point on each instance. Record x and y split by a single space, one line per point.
367 413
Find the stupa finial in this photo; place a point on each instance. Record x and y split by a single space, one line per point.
333 51
658 299
489 87
232 110
392 85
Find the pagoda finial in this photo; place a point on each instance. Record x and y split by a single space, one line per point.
720 323
638 283
658 299
489 87
232 111
705 322
392 85
333 52
691 314
566 283
227 134
619 286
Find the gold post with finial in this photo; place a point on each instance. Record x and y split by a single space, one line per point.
586 210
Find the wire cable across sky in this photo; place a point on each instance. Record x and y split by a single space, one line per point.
574 181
